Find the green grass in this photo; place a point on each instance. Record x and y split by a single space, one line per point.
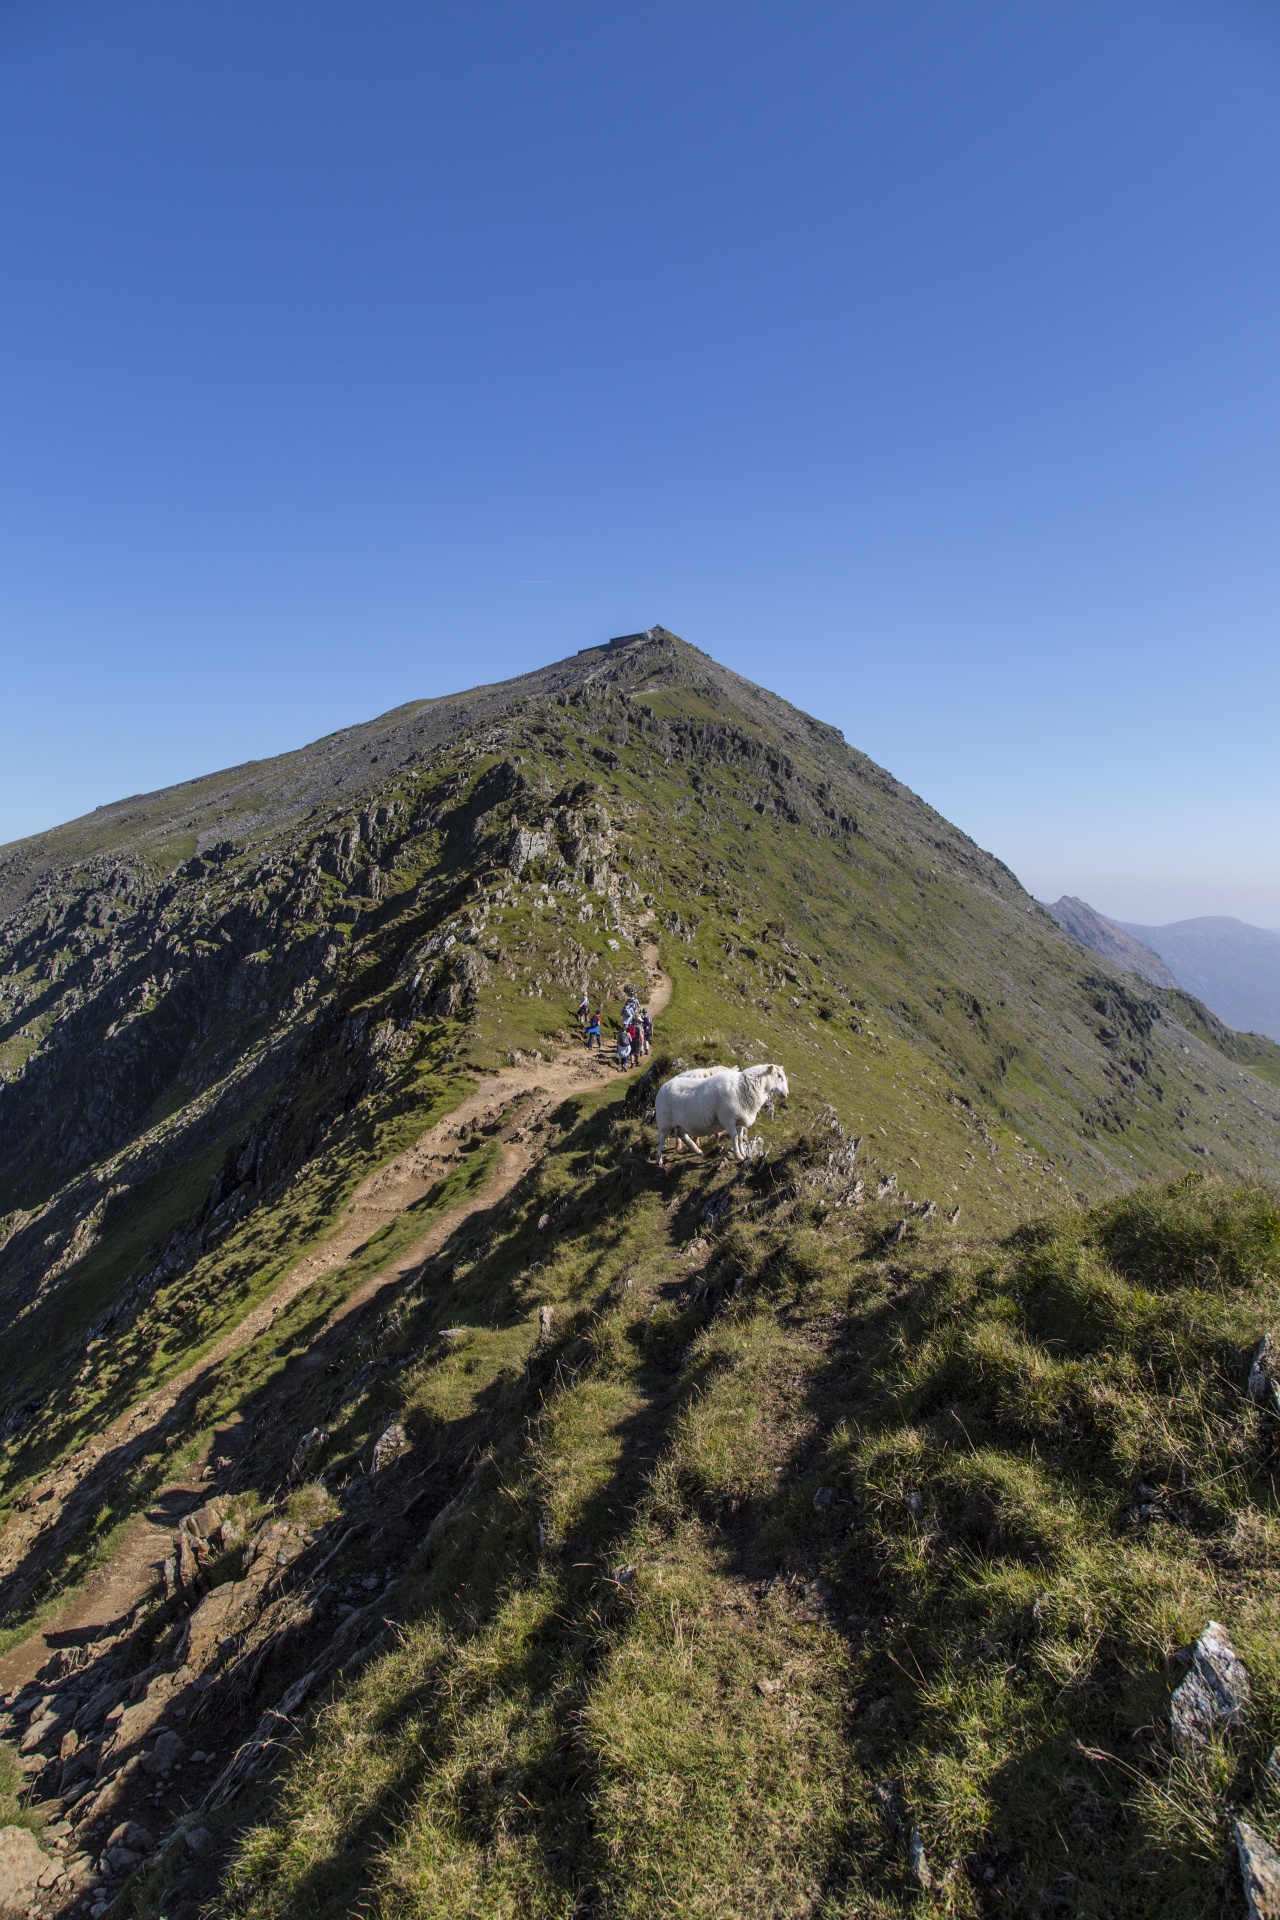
226 1390
185 1318
1252 1050
754 1714
13 1810
637 1669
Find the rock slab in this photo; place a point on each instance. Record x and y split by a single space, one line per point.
22 1861
1260 1871
1215 1694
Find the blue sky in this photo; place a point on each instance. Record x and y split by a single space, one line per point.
919 361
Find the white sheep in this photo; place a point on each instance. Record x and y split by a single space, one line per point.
715 1100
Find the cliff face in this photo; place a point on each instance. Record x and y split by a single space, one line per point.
264 1034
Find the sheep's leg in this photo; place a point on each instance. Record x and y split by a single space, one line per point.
691 1142
661 1143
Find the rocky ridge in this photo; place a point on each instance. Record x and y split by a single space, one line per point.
1102 936
232 1008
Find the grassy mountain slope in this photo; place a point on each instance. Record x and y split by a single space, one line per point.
755 1582
225 1006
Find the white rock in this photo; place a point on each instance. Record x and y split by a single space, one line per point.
1260 1871
920 1871
1214 1695
392 1443
1262 1381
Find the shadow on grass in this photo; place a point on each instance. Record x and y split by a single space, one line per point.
419 1575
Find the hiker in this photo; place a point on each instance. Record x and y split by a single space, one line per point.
584 1010
646 1029
624 1050
593 1032
635 1036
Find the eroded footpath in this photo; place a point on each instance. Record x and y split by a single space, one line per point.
512 1104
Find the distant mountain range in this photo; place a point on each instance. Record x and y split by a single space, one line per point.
1109 939
1233 967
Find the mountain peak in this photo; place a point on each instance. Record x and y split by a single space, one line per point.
323 1232
1113 942
629 640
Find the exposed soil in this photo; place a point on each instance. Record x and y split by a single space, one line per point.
113 1590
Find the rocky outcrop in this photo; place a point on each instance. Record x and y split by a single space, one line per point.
128 1754
1093 931
22 1863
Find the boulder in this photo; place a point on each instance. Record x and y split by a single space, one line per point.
205 1521
187 1563
1215 1694
221 1616
129 1834
134 1723
1260 1871
99 1704
112 1789
167 1753
921 1872
277 1546
37 1732
81 1873
316 1437
391 1445
527 843
22 1861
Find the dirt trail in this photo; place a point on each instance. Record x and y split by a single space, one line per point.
112 1591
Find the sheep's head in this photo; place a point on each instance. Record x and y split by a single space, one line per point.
773 1082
